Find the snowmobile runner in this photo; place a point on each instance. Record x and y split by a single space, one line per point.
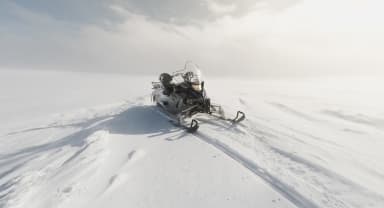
181 96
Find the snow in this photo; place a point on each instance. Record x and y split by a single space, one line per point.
95 140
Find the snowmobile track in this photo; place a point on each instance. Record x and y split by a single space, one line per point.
315 175
283 188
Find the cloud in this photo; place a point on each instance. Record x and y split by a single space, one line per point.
99 35
263 38
198 11
169 11
219 8
73 11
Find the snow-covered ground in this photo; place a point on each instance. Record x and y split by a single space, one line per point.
95 140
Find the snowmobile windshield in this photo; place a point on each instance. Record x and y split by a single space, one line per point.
193 76
190 74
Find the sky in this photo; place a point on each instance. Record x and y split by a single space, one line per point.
261 38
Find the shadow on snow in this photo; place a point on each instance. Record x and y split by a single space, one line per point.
136 120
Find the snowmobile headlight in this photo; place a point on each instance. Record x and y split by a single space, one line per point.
196 87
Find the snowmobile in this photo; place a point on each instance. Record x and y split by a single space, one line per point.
181 97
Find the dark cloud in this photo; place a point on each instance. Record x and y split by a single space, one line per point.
169 11
197 11
74 11
173 11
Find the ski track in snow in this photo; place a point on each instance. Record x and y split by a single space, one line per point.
280 186
303 182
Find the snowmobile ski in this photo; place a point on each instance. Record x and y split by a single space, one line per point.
176 121
240 116
193 127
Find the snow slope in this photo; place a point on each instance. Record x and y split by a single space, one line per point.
95 140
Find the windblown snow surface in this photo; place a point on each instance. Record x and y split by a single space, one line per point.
95 140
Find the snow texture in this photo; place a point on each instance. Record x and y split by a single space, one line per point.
96 140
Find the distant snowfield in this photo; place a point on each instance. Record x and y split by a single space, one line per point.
95 140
